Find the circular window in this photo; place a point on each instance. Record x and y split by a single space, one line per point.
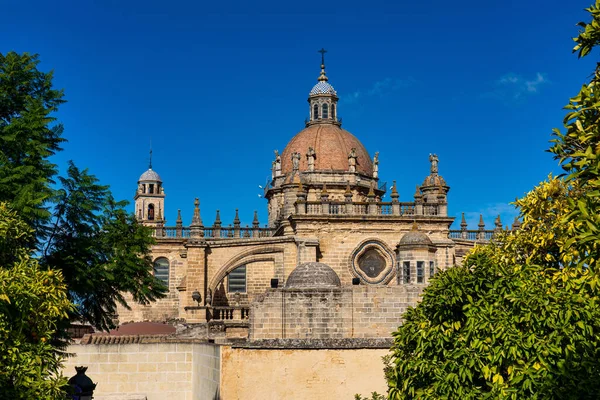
373 262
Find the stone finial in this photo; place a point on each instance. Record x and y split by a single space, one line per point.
516 224
463 223
395 196
218 219
255 223
498 223
236 220
481 224
300 186
159 216
196 219
196 227
418 192
414 226
371 193
324 193
179 221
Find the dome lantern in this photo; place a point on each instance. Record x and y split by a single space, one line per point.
323 99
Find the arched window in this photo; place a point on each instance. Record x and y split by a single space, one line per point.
325 113
333 111
316 112
151 212
236 281
161 270
151 186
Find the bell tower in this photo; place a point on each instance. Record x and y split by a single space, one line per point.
150 198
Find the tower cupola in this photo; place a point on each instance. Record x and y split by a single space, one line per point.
323 99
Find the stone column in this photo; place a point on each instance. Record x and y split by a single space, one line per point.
195 279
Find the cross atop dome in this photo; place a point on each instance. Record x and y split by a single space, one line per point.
322 77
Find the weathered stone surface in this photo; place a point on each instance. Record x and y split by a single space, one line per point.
313 275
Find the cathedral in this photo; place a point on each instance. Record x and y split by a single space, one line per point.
330 239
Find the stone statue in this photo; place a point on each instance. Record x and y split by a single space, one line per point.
376 165
141 188
295 161
352 160
277 163
433 159
310 157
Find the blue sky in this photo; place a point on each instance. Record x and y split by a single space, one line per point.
217 86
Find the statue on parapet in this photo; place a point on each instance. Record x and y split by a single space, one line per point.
352 160
296 161
376 165
277 165
310 158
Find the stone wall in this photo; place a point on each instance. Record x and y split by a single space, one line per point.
152 371
348 312
315 374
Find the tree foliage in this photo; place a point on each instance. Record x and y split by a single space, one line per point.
29 135
33 302
521 318
78 227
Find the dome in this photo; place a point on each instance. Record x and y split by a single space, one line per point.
150 175
313 275
415 237
323 87
434 180
332 145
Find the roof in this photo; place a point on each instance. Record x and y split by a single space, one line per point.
323 87
313 275
150 175
332 145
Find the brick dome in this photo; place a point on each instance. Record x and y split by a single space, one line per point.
332 145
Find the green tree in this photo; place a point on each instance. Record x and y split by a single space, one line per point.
29 135
78 228
101 249
520 318
33 302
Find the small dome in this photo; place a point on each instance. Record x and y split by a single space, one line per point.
434 180
150 175
415 237
313 275
323 87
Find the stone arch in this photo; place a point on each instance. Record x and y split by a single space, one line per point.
258 254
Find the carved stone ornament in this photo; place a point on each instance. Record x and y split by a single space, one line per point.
373 261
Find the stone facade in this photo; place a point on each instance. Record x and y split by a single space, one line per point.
325 207
331 313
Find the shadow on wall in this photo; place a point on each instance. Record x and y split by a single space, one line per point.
217 395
